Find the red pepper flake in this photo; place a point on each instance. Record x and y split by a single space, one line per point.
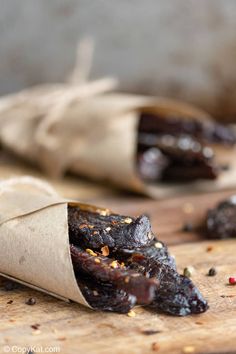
105 251
155 347
61 338
209 248
232 280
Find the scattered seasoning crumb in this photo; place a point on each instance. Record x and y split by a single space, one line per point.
104 212
150 234
128 220
36 332
232 280
95 232
89 251
158 245
95 293
114 264
82 226
188 208
10 302
187 227
61 338
155 346
188 271
31 301
223 296
212 272
105 251
188 349
150 332
35 326
12 320
108 228
131 313
199 323
127 279
209 248
97 260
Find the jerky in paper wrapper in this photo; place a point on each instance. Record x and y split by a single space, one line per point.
65 128
34 240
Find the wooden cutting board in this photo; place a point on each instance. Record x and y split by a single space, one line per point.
75 329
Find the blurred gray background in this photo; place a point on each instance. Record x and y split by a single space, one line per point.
180 48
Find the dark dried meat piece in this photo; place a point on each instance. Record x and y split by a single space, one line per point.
92 230
221 221
152 164
181 153
180 148
188 158
106 270
105 298
184 174
176 294
174 125
146 274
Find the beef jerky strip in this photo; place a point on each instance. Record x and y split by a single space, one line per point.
176 294
152 164
175 146
92 230
184 174
221 221
157 250
208 131
105 298
155 255
188 158
106 270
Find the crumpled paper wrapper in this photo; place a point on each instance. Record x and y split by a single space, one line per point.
92 133
34 240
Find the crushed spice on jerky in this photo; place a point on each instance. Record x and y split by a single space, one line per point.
118 263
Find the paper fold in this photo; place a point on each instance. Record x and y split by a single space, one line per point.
34 241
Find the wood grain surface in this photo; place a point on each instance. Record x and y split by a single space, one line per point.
71 328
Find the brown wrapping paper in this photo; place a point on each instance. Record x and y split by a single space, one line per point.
93 135
34 241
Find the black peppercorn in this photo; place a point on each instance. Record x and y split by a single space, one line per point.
31 301
212 272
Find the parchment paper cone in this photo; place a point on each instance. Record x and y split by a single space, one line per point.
34 241
94 134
